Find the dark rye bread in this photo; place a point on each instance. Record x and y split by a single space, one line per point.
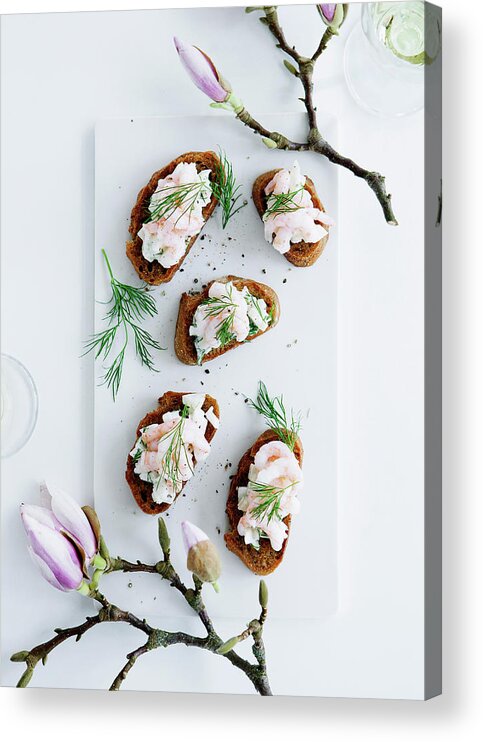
142 491
154 273
265 560
302 254
184 345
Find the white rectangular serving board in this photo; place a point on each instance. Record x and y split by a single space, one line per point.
298 358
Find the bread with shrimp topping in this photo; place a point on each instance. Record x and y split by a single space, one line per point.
264 560
184 344
302 254
141 490
154 273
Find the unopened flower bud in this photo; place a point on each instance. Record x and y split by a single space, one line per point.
202 557
26 678
269 143
228 645
263 594
202 71
163 536
19 656
333 14
290 67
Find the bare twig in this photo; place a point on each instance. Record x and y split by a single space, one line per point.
315 141
255 672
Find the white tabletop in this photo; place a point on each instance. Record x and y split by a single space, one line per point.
61 73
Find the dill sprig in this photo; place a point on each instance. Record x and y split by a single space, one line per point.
226 190
223 187
282 203
171 460
287 427
269 500
177 197
214 306
224 331
129 306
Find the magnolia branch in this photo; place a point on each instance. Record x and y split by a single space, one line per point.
256 672
304 70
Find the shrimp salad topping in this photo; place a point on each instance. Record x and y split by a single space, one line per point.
227 314
291 216
176 214
165 454
275 480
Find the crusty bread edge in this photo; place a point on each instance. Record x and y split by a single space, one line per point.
154 273
255 560
301 254
140 490
183 342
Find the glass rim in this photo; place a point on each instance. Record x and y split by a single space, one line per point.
32 388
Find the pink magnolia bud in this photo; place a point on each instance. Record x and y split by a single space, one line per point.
333 14
202 71
71 518
202 557
54 553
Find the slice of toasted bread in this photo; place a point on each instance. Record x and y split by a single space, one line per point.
302 254
184 345
142 491
154 273
265 560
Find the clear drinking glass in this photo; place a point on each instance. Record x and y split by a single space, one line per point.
18 405
385 56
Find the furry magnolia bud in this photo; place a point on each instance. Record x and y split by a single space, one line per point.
269 143
202 557
228 645
263 594
163 536
19 656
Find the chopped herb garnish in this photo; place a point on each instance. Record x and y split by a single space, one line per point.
171 460
269 500
176 197
282 203
222 186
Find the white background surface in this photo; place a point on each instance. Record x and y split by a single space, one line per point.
373 645
287 359
458 711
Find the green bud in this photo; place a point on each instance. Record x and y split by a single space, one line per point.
269 143
263 20
83 588
94 583
26 678
19 656
290 67
263 594
228 645
163 536
99 563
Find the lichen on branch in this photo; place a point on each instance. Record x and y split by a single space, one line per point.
155 638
